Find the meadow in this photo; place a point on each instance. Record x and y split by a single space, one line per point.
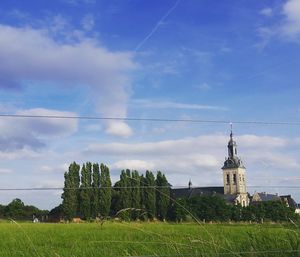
147 239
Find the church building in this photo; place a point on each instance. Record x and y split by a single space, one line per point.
234 175
234 190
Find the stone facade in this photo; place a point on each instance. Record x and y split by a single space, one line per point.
234 175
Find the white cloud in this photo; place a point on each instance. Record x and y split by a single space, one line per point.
190 145
144 103
268 12
23 153
54 169
253 141
32 132
199 158
139 165
119 128
31 54
291 26
2 171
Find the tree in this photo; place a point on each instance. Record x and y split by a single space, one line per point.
125 194
15 209
56 213
95 198
135 193
149 194
162 196
70 194
105 191
177 210
85 191
210 208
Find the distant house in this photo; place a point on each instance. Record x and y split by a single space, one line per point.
298 209
264 197
289 201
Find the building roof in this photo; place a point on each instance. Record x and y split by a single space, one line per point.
232 161
289 200
196 191
265 197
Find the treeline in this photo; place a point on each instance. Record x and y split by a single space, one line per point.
17 210
88 193
215 208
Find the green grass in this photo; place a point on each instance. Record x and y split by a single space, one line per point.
147 239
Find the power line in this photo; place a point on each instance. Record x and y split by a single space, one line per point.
253 122
130 187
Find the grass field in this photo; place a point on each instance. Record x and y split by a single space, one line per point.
147 239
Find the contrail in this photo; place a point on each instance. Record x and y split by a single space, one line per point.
158 24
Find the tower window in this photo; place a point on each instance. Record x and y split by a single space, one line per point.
227 179
234 178
235 151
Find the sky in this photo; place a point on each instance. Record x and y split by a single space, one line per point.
226 60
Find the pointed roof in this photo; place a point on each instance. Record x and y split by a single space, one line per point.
232 161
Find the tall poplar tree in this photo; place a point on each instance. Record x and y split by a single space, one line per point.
150 195
135 193
125 192
70 194
85 191
105 191
162 196
95 197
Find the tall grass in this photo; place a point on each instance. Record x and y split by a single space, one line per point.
147 239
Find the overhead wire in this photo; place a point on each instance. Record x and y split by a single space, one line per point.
253 122
131 187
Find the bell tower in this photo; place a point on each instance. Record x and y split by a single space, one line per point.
234 174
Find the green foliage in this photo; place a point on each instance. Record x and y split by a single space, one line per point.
17 210
105 194
177 210
162 196
70 194
56 214
210 208
135 194
149 194
95 197
125 194
85 191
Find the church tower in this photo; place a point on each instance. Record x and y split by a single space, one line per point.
234 175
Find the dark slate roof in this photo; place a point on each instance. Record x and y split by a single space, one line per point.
234 162
229 198
291 202
265 197
196 191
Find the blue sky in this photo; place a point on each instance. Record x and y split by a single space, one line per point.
188 59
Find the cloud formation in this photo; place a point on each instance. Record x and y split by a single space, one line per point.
33 133
144 103
199 158
28 54
291 26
